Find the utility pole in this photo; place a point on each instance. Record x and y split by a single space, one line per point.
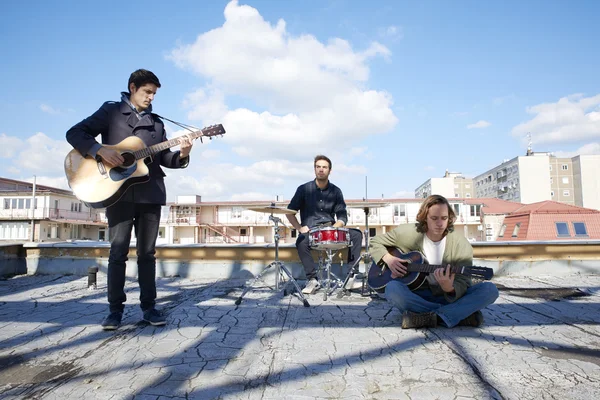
33 212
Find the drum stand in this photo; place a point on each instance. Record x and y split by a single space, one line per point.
365 290
328 284
280 270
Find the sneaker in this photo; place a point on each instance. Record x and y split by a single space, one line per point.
475 320
311 286
154 317
112 322
418 320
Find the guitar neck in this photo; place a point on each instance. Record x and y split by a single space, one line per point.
432 267
151 150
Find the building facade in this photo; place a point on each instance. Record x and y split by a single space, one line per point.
46 214
451 185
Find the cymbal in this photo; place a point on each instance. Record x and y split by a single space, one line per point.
273 210
366 204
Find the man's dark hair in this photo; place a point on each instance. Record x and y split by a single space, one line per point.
322 157
141 77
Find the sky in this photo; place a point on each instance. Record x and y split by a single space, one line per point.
394 92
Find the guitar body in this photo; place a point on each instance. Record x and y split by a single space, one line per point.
99 185
379 277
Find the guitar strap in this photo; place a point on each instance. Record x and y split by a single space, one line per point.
190 128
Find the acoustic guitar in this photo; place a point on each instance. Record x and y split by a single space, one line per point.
418 269
99 185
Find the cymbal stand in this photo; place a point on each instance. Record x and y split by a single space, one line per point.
280 269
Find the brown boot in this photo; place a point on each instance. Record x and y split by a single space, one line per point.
475 320
418 320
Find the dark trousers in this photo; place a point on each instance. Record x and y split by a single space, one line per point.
145 219
310 267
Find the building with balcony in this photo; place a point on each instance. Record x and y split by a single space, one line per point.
54 214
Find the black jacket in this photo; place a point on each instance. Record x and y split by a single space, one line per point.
117 121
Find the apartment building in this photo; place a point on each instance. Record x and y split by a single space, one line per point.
537 177
55 214
451 185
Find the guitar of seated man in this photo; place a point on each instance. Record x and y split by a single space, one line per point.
417 270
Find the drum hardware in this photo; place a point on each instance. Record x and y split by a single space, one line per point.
328 240
281 271
354 272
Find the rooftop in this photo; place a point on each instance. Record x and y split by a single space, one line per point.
540 340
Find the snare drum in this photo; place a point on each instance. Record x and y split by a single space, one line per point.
328 238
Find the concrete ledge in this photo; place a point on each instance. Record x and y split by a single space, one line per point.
223 261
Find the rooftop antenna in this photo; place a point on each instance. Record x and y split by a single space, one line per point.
529 151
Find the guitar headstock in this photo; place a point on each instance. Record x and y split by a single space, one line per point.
213 130
480 272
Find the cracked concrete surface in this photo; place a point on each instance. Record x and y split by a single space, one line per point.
535 344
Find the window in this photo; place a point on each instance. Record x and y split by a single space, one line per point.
27 204
552 193
6 204
21 204
502 230
236 212
565 179
564 167
562 229
566 193
243 232
551 180
456 195
551 168
372 232
456 209
13 204
475 210
467 186
400 210
516 230
468 195
580 229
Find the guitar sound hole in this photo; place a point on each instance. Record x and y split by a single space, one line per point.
129 159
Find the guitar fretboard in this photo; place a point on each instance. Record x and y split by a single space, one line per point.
432 268
151 150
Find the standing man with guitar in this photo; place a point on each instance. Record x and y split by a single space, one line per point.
444 297
140 205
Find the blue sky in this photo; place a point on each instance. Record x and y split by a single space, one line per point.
396 91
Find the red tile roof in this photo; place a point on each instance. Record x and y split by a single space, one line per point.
537 221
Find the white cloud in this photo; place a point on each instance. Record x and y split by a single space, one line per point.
479 125
52 110
9 145
429 168
572 118
498 101
391 32
43 154
587 149
312 94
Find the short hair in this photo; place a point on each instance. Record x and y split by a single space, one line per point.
424 210
322 157
142 77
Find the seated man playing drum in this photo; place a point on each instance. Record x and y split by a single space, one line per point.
321 205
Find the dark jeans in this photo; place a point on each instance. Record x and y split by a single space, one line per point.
310 267
145 219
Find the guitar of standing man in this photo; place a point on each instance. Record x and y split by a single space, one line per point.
99 185
418 269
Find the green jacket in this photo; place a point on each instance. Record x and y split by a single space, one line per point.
405 238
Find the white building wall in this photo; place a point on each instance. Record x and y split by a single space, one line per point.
586 179
534 178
